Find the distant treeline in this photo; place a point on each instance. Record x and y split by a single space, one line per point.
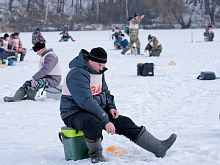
49 15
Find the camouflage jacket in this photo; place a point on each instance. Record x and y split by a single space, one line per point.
37 37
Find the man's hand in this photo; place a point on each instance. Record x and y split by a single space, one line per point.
142 16
114 113
33 83
110 128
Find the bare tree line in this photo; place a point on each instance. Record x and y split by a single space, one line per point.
25 15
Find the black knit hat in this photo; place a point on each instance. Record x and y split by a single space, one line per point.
98 55
6 35
149 37
135 14
38 46
16 33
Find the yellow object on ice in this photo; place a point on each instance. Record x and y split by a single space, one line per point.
116 151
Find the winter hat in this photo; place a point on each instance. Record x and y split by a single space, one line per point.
150 37
135 14
98 55
6 35
16 33
38 46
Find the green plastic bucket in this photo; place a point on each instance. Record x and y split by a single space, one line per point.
74 144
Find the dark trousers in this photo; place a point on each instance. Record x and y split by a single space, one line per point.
92 126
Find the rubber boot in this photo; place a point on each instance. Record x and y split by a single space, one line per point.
95 150
158 147
31 95
138 51
19 95
22 57
124 50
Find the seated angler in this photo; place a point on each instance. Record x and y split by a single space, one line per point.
48 75
153 47
6 51
15 41
88 105
65 35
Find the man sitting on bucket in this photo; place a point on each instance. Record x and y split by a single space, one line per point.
87 105
48 75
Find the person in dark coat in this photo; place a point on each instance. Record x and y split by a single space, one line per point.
209 34
88 105
48 75
121 42
15 41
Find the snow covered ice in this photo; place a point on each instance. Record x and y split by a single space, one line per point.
171 101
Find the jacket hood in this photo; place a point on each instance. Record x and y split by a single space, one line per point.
79 61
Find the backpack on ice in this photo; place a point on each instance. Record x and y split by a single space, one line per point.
145 69
206 76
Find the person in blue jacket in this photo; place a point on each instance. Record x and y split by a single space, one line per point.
88 105
121 42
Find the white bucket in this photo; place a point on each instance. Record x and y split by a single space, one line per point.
54 92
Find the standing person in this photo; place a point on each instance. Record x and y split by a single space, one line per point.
48 75
154 47
209 34
133 33
87 105
37 37
15 41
